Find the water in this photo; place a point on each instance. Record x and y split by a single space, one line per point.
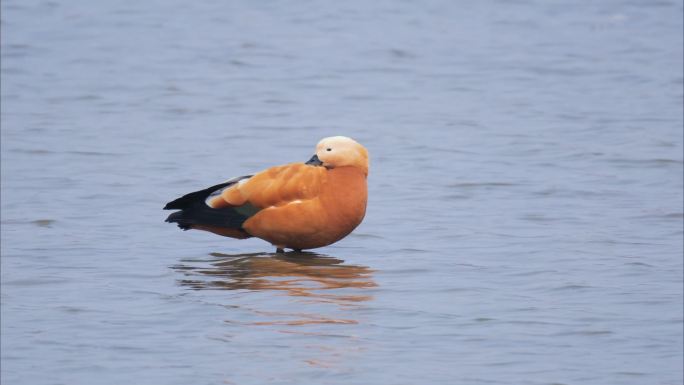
525 217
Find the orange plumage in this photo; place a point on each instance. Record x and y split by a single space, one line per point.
298 206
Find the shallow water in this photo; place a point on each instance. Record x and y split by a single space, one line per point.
525 219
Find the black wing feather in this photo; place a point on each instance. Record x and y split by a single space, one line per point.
195 211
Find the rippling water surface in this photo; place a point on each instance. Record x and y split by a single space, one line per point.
525 217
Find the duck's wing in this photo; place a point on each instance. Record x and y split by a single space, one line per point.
195 213
274 187
188 199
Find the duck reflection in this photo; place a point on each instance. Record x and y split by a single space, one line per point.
302 294
314 277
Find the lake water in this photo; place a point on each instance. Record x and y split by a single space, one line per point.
525 217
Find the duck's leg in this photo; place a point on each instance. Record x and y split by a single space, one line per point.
280 250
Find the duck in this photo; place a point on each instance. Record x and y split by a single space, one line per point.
296 206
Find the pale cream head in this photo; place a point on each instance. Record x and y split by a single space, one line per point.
340 151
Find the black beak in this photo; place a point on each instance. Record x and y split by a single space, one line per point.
314 161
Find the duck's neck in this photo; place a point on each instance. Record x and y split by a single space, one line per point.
347 194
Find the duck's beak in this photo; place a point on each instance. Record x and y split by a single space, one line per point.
314 161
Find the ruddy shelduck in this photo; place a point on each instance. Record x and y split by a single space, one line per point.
297 206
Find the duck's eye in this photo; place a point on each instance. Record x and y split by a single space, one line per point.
328 149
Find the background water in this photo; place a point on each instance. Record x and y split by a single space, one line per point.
525 214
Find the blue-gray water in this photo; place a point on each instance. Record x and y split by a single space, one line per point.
525 217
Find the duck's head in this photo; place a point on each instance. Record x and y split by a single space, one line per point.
340 151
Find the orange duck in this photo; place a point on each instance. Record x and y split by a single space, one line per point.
297 206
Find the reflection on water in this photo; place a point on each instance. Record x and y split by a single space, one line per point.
307 277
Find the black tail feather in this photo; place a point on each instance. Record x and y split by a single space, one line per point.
201 214
177 218
194 210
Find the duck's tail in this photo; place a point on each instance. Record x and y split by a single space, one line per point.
196 214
